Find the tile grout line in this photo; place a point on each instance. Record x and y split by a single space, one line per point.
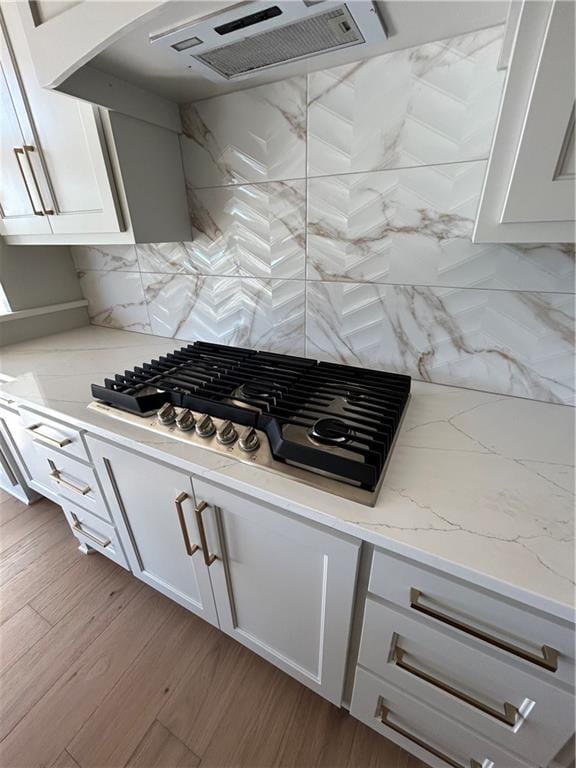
337 281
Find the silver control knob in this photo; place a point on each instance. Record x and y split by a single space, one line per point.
185 420
249 440
167 414
227 433
205 426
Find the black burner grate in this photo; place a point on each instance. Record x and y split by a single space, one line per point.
282 395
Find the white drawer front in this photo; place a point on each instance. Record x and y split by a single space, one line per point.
509 706
432 737
540 645
95 533
74 481
46 431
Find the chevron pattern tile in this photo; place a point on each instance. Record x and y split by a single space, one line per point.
517 343
253 135
435 103
263 314
414 226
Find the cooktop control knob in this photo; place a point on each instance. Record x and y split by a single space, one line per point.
227 433
205 426
185 420
167 414
249 440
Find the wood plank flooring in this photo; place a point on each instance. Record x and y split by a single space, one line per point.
97 670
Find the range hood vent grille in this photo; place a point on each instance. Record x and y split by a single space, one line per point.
307 37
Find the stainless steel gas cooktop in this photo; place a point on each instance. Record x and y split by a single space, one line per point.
331 426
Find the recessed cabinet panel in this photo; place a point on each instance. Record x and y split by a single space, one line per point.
20 207
153 508
283 587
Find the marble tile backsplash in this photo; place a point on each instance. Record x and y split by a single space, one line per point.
332 217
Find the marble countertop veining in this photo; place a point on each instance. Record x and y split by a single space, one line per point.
479 485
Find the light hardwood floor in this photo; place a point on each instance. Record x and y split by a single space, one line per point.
99 671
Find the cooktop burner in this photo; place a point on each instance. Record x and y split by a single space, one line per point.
331 431
336 421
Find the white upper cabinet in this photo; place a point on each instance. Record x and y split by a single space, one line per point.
72 173
529 191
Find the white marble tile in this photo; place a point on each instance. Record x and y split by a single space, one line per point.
435 103
169 258
414 226
254 135
256 230
501 341
115 299
257 313
121 258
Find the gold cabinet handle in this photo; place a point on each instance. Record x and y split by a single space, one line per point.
77 526
198 509
548 660
384 713
55 475
27 150
508 716
190 548
18 151
60 443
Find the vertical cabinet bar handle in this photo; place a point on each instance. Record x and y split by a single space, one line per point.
384 713
17 152
27 149
548 660
208 558
190 548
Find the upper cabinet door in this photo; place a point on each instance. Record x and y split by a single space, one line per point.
20 207
74 177
153 509
283 587
529 192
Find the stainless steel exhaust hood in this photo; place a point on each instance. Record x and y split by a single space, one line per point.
248 39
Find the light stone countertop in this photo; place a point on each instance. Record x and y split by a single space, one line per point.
479 485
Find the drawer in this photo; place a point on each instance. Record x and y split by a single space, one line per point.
520 635
505 704
432 737
95 533
73 480
54 434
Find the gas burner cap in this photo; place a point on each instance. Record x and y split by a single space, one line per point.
331 431
258 390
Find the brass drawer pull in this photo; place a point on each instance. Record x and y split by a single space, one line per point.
18 151
55 475
508 716
54 441
190 548
383 712
77 526
208 558
548 660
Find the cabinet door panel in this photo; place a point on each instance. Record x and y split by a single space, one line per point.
283 587
73 174
18 200
142 494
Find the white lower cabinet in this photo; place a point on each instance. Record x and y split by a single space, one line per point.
153 508
281 586
431 736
